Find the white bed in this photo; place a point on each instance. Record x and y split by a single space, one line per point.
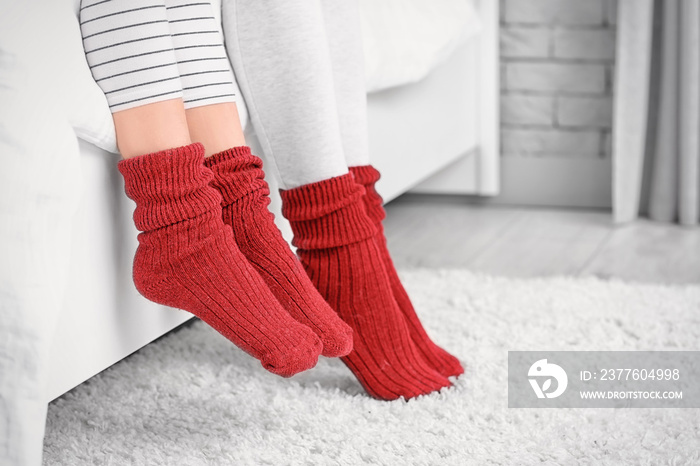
447 118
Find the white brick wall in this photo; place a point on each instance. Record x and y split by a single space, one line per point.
551 141
557 59
550 12
555 77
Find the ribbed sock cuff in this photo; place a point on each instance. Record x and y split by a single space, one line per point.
367 176
169 186
327 214
237 174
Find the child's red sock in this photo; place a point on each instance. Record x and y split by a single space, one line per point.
187 259
437 357
335 243
239 177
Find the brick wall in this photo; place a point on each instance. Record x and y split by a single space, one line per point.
557 60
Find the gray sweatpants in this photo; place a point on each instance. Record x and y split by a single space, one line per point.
299 65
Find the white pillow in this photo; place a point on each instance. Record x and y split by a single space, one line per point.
406 39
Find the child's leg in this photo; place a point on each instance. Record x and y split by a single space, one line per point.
206 75
128 47
213 120
150 128
187 257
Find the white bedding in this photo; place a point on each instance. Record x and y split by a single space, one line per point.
404 40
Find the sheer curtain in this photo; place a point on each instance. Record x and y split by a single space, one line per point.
656 127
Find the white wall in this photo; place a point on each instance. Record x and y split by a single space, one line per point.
557 64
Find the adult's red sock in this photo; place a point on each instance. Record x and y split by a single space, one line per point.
239 177
334 240
437 357
187 259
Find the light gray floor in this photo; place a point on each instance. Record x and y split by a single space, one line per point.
445 231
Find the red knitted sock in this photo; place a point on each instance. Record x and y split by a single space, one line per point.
187 259
334 239
239 177
437 357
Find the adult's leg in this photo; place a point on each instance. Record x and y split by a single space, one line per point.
187 257
281 60
280 54
438 358
342 19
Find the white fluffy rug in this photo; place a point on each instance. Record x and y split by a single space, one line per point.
192 398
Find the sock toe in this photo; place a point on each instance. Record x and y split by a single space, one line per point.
449 365
239 177
297 359
436 357
338 345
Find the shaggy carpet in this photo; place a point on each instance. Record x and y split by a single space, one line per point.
191 398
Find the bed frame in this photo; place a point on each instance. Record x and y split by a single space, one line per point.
440 133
